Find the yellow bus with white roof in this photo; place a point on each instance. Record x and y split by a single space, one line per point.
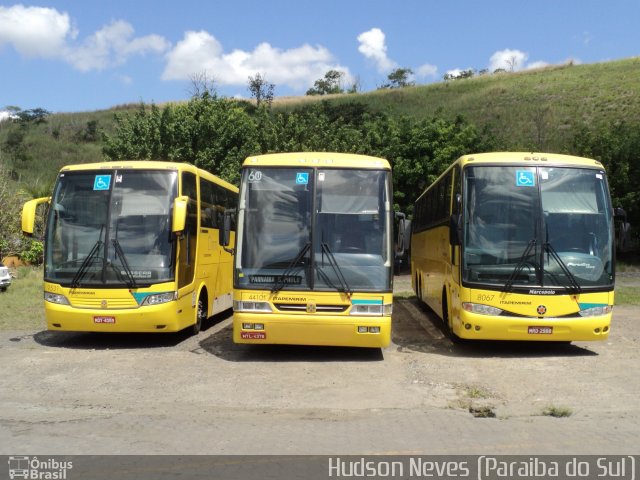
517 246
314 252
133 247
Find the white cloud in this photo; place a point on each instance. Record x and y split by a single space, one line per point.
113 45
454 72
201 52
35 31
5 115
47 33
426 70
373 47
509 60
538 64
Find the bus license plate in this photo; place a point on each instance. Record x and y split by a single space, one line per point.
253 335
540 330
104 319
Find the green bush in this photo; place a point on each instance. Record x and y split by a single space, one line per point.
33 253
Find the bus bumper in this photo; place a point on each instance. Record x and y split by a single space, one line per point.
325 330
483 327
166 317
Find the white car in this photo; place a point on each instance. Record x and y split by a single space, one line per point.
5 278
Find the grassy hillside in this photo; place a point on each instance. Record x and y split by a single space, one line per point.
530 110
534 109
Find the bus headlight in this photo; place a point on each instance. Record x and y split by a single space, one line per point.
595 311
372 310
158 298
242 306
481 309
55 298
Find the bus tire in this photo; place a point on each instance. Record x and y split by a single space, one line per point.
201 313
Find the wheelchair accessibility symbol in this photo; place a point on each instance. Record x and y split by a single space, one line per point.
302 178
102 182
525 178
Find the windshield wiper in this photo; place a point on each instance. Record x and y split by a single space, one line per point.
88 260
336 269
575 286
508 287
125 264
280 282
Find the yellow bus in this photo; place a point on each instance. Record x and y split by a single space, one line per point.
314 254
134 247
517 246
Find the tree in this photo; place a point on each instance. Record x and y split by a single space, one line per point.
36 115
215 134
331 83
399 78
11 201
261 89
202 85
512 63
15 145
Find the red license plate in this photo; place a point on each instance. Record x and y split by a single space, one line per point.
104 319
540 330
253 335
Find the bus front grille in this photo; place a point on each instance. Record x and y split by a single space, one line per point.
303 308
112 303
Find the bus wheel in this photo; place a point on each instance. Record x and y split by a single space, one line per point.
201 315
448 328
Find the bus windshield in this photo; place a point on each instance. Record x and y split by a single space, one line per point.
111 228
537 227
314 229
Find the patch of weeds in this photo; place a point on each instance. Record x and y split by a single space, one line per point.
477 392
482 412
557 412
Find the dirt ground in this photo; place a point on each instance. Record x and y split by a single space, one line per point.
74 393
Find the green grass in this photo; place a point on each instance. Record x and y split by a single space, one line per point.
627 296
534 109
21 306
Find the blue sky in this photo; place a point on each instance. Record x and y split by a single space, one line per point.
68 56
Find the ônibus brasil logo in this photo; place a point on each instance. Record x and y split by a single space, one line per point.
33 468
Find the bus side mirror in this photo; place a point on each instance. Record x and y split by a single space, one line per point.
401 239
179 219
455 222
455 229
225 231
29 214
619 214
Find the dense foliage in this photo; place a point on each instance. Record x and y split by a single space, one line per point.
591 110
218 134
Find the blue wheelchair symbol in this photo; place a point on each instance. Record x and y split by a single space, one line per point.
302 178
525 178
102 182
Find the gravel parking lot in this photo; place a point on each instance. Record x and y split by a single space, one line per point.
74 393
